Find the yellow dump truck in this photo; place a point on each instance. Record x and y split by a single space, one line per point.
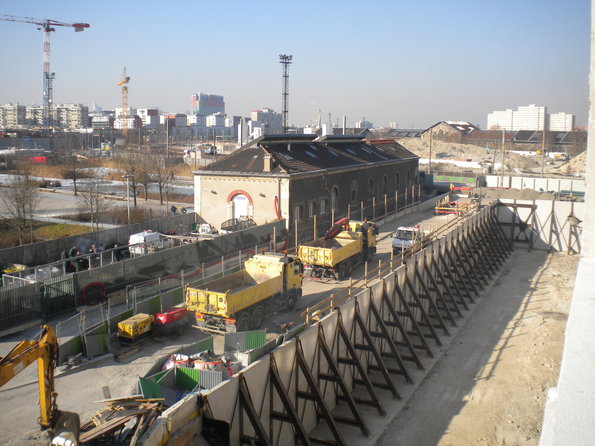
336 256
241 301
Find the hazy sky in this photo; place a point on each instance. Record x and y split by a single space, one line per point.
410 62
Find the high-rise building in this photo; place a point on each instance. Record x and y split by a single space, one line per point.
149 117
530 117
207 104
561 121
272 121
12 116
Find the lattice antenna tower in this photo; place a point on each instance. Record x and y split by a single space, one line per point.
285 60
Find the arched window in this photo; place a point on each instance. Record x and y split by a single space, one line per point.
397 180
354 187
384 185
240 204
370 187
335 198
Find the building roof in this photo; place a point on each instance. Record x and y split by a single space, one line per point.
293 154
463 127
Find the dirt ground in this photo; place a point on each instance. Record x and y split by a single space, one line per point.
490 386
442 150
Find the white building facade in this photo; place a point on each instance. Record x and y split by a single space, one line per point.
531 117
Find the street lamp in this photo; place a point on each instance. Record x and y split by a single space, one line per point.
128 176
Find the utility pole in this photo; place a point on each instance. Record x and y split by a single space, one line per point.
430 160
542 151
285 60
502 166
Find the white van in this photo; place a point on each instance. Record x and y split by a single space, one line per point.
145 242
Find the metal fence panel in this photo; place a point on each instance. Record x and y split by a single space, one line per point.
19 305
244 340
207 379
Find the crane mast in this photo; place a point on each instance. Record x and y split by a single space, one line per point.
47 26
124 116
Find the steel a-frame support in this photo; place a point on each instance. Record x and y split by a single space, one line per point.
354 361
440 295
246 406
336 377
314 394
291 414
395 321
414 324
426 294
370 347
393 351
450 283
426 320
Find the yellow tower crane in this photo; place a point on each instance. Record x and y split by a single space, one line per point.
124 84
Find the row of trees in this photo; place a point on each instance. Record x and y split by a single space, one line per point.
142 170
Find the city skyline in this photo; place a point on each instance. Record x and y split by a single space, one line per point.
410 64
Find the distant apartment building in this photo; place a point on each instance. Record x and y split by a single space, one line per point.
207 104
561 122
271 121
363 124
531 117
12 116
70 116
197 120
216 120
102 121
149 117
35 115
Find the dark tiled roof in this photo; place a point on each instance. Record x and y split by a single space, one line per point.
393 147
306 153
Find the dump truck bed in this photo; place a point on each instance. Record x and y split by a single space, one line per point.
331 252
230 294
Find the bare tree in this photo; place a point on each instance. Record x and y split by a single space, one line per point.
72 170
144 175
20 200
93 201
130 165
162 175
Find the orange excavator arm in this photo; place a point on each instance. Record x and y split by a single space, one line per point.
44 350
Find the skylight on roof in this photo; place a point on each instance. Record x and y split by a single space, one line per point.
312 146
351 151
332 152
365 149
310 154
286 156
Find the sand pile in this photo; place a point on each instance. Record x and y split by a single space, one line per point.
576 165
519 194
446 150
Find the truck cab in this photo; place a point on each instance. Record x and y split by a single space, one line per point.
404 237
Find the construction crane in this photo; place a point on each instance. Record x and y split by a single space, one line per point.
47 26
64 426
124 84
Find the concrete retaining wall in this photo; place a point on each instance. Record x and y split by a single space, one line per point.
539 184
548 225
49 251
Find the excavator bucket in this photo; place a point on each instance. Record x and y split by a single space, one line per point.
67 430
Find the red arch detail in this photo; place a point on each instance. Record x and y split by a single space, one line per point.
240 192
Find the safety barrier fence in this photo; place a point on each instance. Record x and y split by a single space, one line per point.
46 299
363 352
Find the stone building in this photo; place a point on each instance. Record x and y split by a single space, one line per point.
296 177
448 131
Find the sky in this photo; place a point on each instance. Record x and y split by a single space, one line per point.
410 62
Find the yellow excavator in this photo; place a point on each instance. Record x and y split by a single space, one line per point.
63 427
